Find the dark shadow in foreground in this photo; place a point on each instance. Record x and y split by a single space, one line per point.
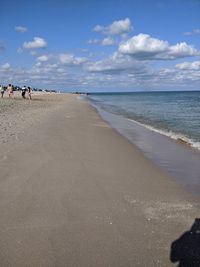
186 249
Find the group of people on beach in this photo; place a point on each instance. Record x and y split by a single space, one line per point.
10 90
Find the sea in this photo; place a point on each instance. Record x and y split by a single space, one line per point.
164 125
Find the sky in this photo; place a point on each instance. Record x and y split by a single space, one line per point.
100 46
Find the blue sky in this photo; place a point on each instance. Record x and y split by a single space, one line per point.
90 45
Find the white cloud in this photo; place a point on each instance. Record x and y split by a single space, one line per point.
189 65
21 29
98 28
6 66
70 59
44 69
118 27
145 47
105 42
143 43
129 67
194 31
197 31
117 71
182 50
33 53
43 58
93 41
185 75
66 58
37 43
108 41
115 64
187 33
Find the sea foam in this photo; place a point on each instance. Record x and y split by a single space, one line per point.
175 136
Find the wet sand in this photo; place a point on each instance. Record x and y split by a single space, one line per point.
74 192
177 159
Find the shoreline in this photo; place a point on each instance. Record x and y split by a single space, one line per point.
75 192
175 135
176 158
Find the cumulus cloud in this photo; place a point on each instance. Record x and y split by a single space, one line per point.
127 67
33 53
43 58
143 44
185 75
105 42
5 66
145 47
108 41
98 28
115 64
197 31
181 50
93 41
118 27
194 31
189 65
37 43
70 59
114 72
44 69
21 29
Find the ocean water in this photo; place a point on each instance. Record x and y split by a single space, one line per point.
164 125
175 114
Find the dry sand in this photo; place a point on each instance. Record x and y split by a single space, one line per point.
73 192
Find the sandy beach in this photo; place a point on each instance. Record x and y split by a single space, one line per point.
74 192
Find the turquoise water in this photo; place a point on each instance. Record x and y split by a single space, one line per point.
175 114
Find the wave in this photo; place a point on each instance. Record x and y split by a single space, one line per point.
181 138
175 136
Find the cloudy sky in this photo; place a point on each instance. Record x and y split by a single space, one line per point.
107 45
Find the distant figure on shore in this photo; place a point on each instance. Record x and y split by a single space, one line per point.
2 90
24 92
29 92
10 90
186 249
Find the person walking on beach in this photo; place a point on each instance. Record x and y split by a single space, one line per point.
2 90
29 92
24 92
10 90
